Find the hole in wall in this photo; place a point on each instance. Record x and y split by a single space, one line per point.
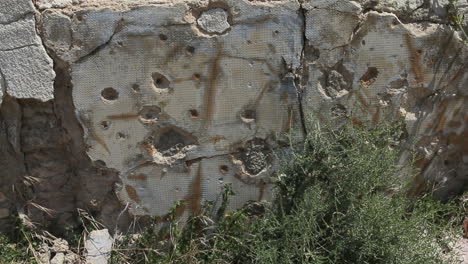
255 158
193 113
190 49
105 124
196 76
162 37
369 76
224 169
248 115
149 113
173 140
121 136
109 94
160 81
136 87
100 163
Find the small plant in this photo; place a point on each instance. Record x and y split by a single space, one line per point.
456 19
340 199
18 246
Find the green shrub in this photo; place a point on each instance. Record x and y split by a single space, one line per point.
340 199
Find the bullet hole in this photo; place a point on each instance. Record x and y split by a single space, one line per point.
160 81
224 169
105 125
193 113
369 77
136 87
172 141
80 17
248 115
419 51
249 42
363 42
256 156
196 76
149 113
162 37
190 49
276 32
100 163
395 22
109 94
333 83
121 136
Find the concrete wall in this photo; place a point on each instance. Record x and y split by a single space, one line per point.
125 107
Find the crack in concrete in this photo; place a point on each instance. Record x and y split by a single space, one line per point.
117 29
299 73
21 47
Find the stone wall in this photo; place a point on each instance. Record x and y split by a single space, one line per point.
123 108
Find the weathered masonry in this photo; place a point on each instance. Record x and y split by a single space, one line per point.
125 107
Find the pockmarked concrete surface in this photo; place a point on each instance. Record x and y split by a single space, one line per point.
125 107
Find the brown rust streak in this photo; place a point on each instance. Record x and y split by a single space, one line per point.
376 117
215 139
211 85
100 141
139 176
441 118
195 195
362 100
261 188
262 92
179 80
92 133
288 124
415 60
123 117
132 193
356 121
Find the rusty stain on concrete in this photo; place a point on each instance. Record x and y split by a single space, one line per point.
128 116
415 59
132 193
140 177
194 199
211 85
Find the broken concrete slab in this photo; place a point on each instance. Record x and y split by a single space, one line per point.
98 247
